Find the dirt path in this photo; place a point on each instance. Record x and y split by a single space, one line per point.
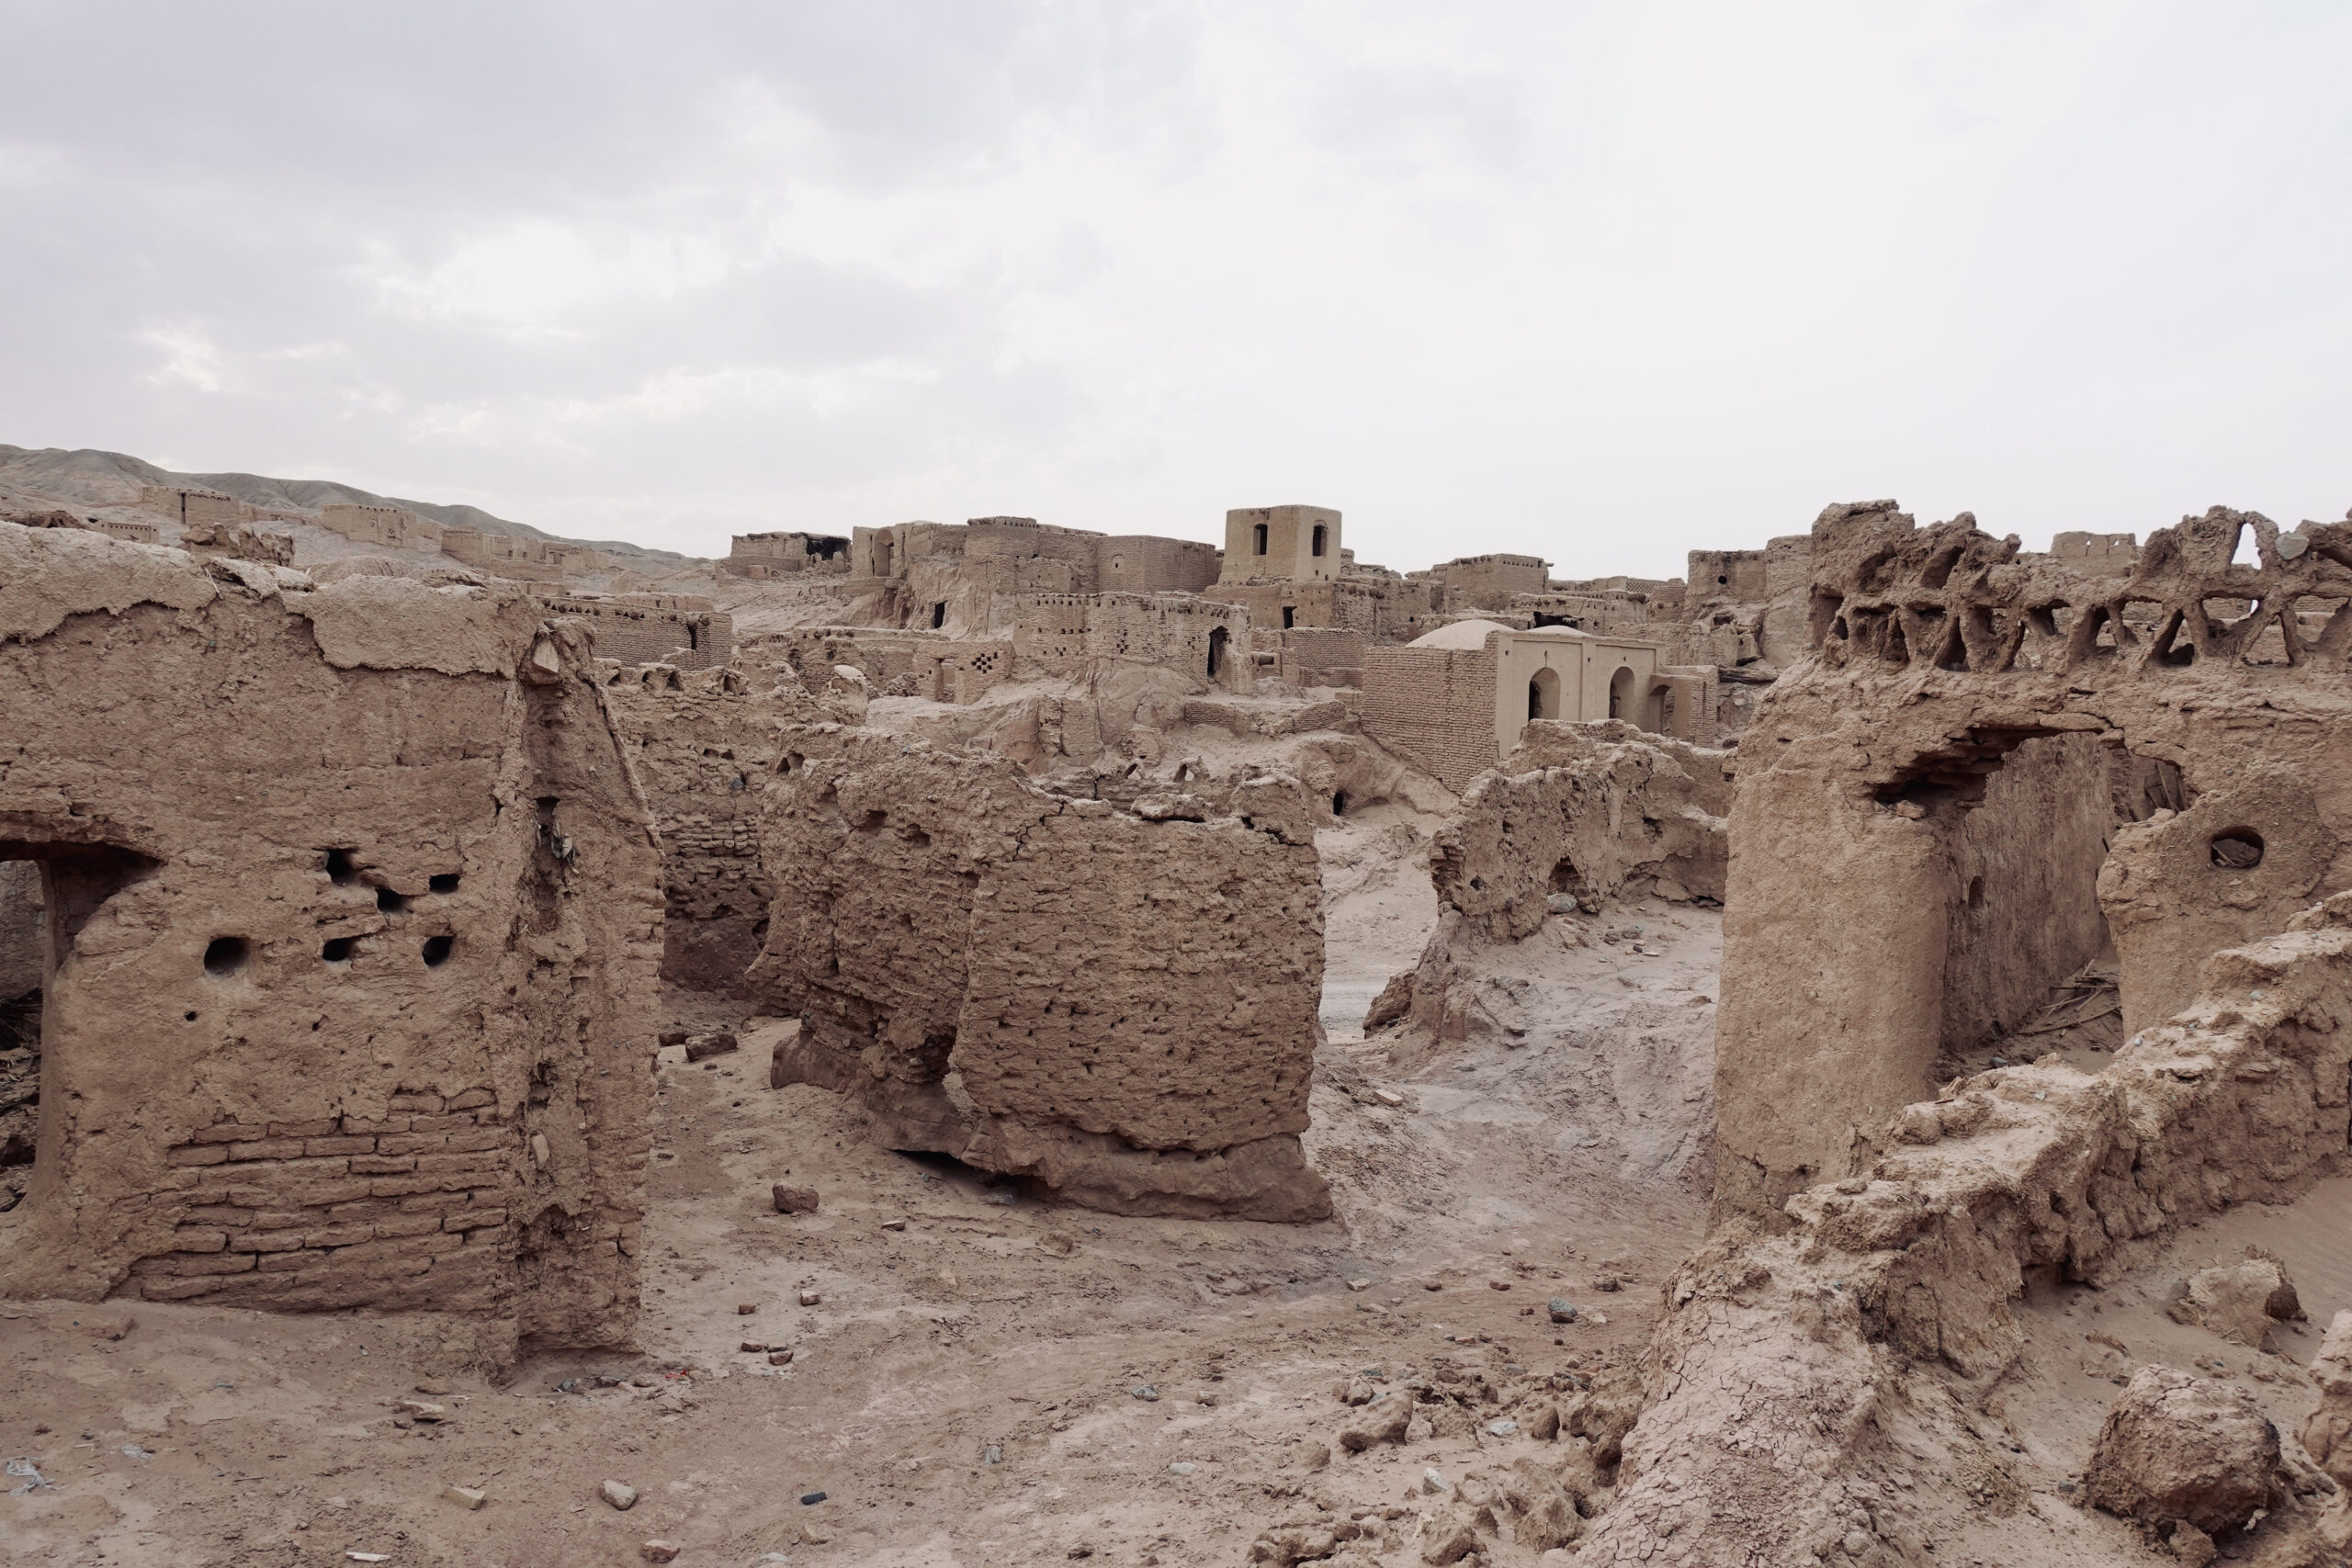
962 1391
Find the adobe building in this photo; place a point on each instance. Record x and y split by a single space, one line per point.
1491 581
761 556
352 919
1454 701
1300 543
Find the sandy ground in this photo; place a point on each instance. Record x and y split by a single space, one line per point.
962 1392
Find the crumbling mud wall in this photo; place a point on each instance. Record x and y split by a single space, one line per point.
1788 1365
1120 1004
353 918
1867 805
705 745
1578 817
1588 813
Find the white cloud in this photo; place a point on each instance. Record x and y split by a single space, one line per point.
1605 281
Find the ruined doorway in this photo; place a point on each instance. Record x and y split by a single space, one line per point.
1543 695
48 892
1218 640
1620 692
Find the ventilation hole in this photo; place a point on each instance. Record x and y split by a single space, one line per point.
339 949
1723 581
1338 803
225 955
436 950
190 1017
340 871
2240 849
391 903
445 883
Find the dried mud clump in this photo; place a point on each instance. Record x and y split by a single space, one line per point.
2177 1448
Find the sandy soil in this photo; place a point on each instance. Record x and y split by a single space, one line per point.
962 1392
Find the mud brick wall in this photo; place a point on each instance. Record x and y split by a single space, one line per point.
1434 707
705 746
407 1209
637 634
356 920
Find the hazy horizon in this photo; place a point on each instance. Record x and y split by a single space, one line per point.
1601 282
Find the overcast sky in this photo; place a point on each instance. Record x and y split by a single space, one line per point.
1601 282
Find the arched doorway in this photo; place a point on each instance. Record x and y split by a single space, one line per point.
1543 695
1621 693
1218 640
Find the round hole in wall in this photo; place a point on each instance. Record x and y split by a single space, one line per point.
436 950
225 955
2237 849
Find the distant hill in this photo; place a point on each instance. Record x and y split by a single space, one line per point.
86 477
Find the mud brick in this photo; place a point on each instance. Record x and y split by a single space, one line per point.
268 1148
231 1132
382 1165
348 1143
189 1238
305 1129
198 1154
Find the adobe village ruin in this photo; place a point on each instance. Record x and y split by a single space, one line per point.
1838 1057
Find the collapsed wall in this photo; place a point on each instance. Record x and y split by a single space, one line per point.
1989 769
1787 1363
1579 817
1119 1004
350 929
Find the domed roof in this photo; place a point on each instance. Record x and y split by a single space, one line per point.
1458 634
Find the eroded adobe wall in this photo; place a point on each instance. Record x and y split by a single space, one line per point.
1578 817
1581 810
355 919
1789 1366
1868 800
705 744
1123 1008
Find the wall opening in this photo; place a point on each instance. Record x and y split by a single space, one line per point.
226 954
1620 692
391 903
1338 803
1543 694
47 893
939 614
436 950
2237 849
1218 640
1316 547
1290 617
341 868
1258 536
445 881
339 949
